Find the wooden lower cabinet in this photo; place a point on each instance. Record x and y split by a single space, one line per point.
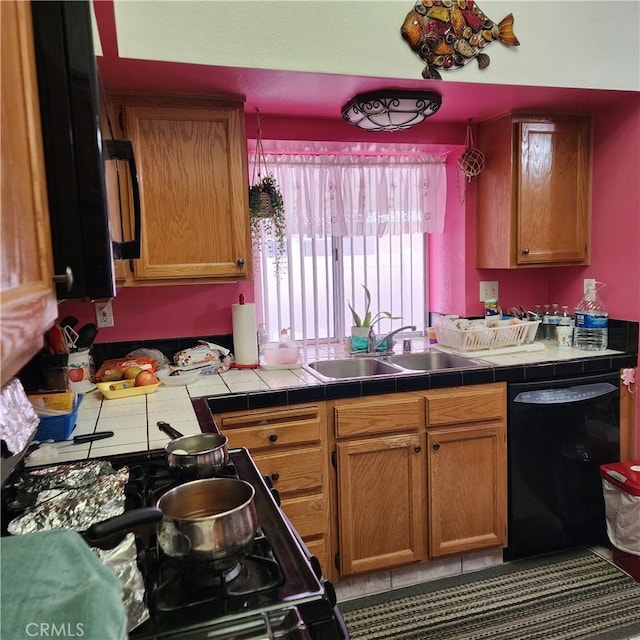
418 476
381 502
467 469
466 488
288 444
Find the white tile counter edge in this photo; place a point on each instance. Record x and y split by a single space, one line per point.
133 420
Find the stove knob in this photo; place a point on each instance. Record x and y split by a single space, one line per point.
330 592
267 481
276 496
315 565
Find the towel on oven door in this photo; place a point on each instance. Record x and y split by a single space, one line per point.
54 585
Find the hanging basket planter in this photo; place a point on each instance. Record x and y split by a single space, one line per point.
266 207
471 160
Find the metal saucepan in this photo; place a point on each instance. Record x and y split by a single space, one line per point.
198 456
211 521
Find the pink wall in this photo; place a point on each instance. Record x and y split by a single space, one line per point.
166 312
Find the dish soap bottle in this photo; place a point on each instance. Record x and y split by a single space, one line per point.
591 332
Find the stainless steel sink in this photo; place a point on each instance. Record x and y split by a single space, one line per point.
352 368
401 364
433 361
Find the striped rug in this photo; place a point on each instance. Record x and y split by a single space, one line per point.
576 594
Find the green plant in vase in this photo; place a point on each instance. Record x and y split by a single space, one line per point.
362 322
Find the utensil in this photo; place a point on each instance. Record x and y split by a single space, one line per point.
91 437
56 340
197 456
86 335
210 520
70 335
68 321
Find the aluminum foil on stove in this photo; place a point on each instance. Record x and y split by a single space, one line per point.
122 562
18 419
71 496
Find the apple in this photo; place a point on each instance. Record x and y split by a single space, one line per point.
144 378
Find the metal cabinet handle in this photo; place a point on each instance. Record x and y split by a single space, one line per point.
436 446
65 278
417 448
275 476
273 437
525 251
240 262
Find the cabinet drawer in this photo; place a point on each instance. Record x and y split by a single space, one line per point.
271 429
306 514
297 470
466 404
378 414
272 436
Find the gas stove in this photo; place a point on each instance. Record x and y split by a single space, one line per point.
274 591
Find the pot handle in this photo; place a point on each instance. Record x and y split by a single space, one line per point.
124 522
169 430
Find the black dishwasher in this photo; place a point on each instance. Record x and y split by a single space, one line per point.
559 432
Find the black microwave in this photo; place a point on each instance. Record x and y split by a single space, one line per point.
75 153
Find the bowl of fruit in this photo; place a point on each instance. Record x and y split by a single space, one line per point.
128 382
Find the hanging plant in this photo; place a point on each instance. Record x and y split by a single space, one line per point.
266 208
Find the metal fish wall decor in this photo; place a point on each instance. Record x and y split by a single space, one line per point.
447 34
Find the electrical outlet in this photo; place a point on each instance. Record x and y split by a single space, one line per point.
104 314
488 290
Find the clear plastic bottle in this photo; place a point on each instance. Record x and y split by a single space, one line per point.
546 317
538 312
591 332
565 318
554 321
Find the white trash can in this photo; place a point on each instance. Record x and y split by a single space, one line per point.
621 489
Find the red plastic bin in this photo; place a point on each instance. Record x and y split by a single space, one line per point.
621 488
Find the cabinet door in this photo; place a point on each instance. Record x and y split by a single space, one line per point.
117 181
380 502
29 305
193 177
554 192
466 488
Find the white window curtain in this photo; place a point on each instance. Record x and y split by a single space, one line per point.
349 196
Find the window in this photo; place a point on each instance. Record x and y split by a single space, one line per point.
352 220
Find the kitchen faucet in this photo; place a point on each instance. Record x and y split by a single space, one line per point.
373 343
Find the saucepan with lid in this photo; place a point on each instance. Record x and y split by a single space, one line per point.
197 456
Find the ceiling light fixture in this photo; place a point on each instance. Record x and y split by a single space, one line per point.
390 109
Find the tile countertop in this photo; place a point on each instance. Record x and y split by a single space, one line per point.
133 420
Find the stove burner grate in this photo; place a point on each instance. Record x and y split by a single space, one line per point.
256 578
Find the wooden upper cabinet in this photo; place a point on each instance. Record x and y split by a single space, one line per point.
118 193
192 168
534 194
28 302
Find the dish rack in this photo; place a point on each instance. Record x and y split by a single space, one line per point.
58 428
478 336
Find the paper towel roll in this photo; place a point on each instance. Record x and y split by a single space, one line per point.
245 333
